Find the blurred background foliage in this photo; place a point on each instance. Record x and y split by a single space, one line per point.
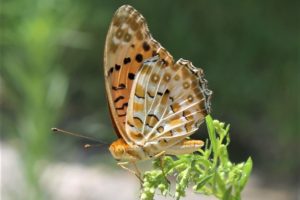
52 74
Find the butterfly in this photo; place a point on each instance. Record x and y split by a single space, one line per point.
155 103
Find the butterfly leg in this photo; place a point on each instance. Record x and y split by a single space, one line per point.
136 171
162 153
123 165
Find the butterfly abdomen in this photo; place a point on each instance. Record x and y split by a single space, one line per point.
185 147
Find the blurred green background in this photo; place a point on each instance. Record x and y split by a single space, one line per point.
52 75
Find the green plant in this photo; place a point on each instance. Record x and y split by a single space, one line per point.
209 171
35 85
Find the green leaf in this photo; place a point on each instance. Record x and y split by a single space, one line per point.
209 171
202 182
246 173
219 183
211 132
227 194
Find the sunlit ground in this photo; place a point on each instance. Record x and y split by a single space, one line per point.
76 181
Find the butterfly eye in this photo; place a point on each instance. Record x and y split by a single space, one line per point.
120 150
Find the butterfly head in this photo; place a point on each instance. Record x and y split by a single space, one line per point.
121 151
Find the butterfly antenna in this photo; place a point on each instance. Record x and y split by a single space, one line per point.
78 135
87 146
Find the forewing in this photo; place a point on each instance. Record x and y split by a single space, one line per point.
128 44
168 103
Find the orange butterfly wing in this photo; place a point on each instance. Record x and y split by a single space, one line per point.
128 44
167 104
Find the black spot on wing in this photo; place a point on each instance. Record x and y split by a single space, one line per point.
131 76
120 87
171 98
146 46
126 60
138 119
131 125
166 63
118 98
110 70
139 96
149 94
117 67
121 114
171 106
139 58
154 53
153 115
159 93
122 107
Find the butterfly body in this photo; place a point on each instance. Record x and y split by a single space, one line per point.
155 103
121 151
